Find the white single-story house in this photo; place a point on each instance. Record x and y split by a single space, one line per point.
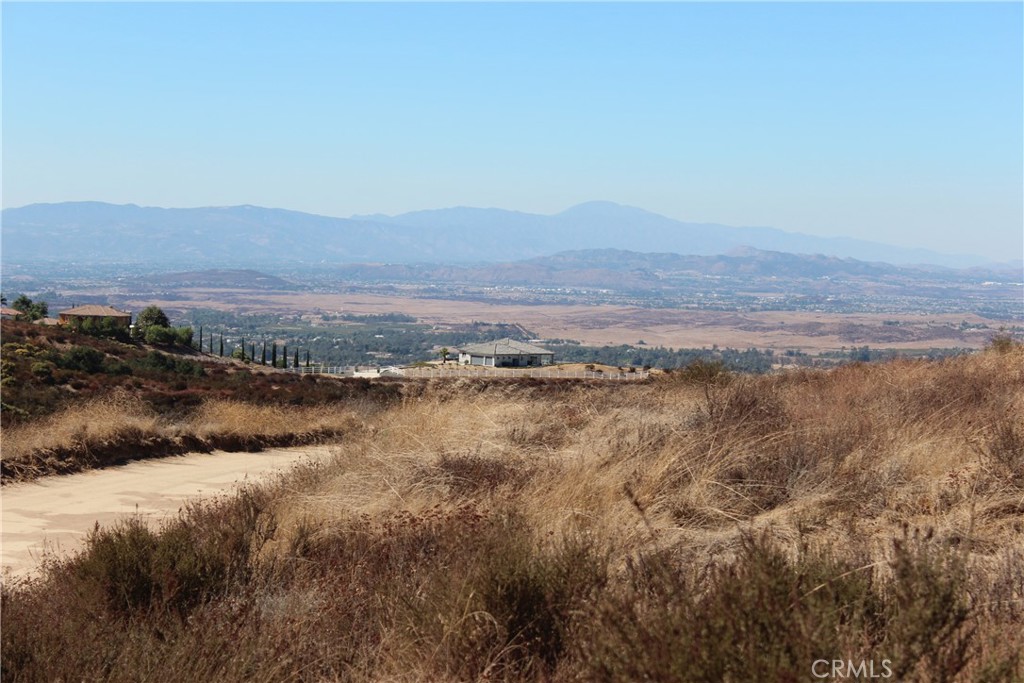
505 353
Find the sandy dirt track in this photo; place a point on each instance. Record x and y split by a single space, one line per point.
55 513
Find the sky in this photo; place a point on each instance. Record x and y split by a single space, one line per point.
896 122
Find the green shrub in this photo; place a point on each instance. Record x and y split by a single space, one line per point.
155 362
83 358
117 367
105 327
42 370
160 336
183 336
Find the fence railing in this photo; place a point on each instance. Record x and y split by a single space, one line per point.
468 371
324 370
550 373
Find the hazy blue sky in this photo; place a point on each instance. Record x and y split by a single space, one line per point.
895 122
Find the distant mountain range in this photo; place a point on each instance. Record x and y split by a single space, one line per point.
95 232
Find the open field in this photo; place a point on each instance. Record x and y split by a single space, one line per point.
608 324
696 527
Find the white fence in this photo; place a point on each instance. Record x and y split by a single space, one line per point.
324 370
453 370
545 372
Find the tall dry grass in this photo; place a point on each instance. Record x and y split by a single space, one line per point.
702 527
111 418
119 427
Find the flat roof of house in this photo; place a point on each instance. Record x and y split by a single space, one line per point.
504 347
99 311
9 311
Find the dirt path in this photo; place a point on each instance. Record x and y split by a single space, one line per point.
54 513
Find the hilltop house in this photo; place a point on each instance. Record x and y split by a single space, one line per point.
505 353
79 314
7 313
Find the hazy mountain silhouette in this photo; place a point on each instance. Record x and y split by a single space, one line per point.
86 232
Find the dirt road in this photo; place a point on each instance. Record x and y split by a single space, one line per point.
55 513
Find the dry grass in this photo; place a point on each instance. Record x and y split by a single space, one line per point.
90 424
699 527
119 427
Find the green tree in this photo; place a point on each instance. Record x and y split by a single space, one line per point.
273 355
263 358
151 316
30 310
284 356
444 354
200 337
307 358
295 362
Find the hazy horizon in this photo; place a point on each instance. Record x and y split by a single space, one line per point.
895 123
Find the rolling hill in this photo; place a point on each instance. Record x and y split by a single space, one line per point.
252 235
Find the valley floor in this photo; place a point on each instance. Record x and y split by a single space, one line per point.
600 324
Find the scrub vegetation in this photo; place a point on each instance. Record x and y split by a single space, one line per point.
701 526
72 401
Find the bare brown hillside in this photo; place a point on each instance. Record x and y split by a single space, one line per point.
699 527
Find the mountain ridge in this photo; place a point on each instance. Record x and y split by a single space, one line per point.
250 234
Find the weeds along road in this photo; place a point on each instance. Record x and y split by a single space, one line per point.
54 514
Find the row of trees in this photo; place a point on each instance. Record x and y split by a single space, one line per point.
152 326
248 354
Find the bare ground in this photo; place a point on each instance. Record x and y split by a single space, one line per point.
54 514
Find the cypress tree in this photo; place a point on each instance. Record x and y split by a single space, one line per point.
252 352
273 355
211 343
284 356
263 358
295 363
200 337
241 345
307 358
221 344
